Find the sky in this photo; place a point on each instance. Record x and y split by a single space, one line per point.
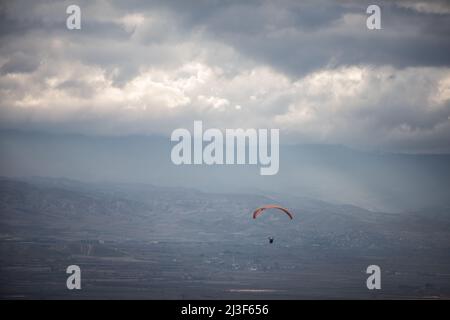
310 68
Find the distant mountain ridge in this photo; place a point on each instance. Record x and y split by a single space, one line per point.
376 181
138 240
65 208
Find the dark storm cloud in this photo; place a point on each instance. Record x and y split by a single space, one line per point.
301 36
296 37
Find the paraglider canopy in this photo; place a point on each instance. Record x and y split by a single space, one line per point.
260 210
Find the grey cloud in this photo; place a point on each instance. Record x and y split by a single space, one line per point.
296 37
299 48
299 37
20 63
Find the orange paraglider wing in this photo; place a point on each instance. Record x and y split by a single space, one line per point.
260 210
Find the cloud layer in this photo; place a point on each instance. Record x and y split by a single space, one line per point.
312 70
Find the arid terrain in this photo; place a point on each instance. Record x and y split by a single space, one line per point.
145 242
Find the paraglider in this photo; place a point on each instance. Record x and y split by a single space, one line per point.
260 210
